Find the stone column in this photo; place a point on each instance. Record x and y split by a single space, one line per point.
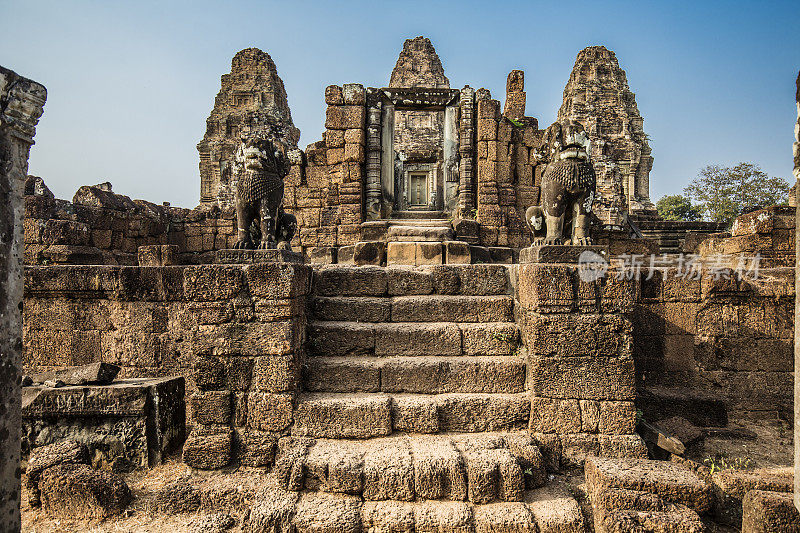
466 147
374 194
21 102
797 308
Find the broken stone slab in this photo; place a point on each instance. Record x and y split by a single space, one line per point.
78 491
44 457
660 438
96 373
237 257
681 429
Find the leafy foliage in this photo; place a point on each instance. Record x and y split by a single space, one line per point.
724 192
678 207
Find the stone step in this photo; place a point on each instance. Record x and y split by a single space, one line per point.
420 233
549 509
420 375
404 217
427 308
329 338
479 468
365 415
468 280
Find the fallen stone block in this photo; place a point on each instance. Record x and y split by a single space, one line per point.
769 512
180 496
44 457
672 482
555 510
732 486
78 491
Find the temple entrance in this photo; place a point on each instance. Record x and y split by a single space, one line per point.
418 190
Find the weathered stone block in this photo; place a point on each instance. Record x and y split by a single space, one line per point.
483 412
350 281
591 378
368 253
278 373
269 412
452 309
212 282
322 512
429 253
575 335
78 491
417 339
212 407
489 339
345 117
324 416
415 414
769 512
551 415
333 95
341 338
354 94
672 482
401 253
256 448
389 471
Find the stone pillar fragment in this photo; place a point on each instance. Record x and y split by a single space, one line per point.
515 95
21 103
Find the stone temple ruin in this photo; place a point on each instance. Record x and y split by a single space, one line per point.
415 364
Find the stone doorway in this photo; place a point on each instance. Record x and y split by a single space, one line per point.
418 190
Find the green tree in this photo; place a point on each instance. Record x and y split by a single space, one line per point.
724 192
678 207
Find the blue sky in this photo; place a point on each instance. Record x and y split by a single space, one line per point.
131 83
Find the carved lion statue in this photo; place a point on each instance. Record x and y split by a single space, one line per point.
568 188
259 166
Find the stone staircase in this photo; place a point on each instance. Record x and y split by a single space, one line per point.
414 390
423 350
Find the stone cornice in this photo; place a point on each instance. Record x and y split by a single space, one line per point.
21 104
